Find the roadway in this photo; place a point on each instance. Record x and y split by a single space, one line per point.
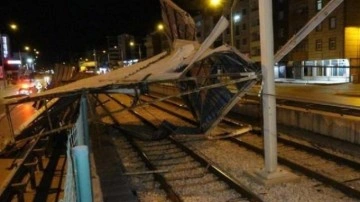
19 115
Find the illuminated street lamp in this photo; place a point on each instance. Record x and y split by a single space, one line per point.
13 26
29 62
215 3
132 44
27 48
160 27
236 18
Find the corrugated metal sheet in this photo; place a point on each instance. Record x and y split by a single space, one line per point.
211 80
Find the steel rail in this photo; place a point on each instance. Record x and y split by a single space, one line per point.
164 185
328 180
347 190
233 184
309 149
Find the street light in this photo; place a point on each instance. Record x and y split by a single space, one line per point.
13 26
132 44
29 62
217 3
160 27
32 52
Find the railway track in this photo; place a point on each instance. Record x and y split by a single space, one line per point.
332 170
180 172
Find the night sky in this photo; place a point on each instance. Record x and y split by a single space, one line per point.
61 29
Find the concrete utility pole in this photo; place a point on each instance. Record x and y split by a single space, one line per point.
269 100
270 174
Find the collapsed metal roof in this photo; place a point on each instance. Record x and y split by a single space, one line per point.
211 81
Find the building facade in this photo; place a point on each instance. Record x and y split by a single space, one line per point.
331 52
120 53
155 43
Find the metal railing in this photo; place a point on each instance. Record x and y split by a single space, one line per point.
78 184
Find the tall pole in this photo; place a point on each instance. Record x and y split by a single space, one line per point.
268 101
95 60
232 22
139 52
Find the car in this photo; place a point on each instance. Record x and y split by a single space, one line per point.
26 90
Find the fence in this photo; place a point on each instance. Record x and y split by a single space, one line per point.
78 180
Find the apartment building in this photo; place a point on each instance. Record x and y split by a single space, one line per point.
331 52
120 53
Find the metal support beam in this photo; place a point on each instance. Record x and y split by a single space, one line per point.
8 115
48 115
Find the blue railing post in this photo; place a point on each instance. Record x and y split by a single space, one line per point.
83 125
84 119
82 172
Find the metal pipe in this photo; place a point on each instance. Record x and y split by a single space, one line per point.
82 166
48 115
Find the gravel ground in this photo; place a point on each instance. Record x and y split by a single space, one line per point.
237 161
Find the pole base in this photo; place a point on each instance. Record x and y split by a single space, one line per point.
279 176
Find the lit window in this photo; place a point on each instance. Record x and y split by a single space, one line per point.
237 18
319 4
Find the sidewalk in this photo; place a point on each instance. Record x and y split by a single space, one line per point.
338 88
302 81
